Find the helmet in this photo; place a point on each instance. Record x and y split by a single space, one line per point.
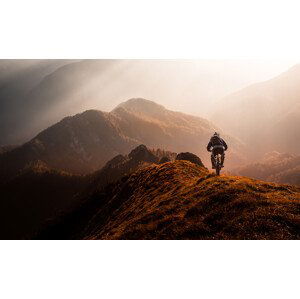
216 134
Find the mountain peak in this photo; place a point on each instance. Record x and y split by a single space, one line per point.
141 105
91 113
142 153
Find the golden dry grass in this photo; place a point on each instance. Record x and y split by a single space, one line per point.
180 200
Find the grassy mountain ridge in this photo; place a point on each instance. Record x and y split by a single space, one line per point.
181 200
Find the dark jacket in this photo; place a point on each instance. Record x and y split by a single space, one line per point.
216 141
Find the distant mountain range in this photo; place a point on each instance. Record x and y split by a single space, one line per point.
274 167
85 142
266 116
35 94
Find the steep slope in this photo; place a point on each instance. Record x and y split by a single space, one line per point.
181 200
84 142
274 167
265 115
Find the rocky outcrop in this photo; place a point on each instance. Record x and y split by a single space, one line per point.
164 159
190 157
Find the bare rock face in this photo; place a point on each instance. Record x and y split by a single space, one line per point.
141 153
190 157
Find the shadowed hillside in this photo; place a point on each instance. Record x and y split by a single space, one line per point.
34 195
4 149
181 200
123 165
38 194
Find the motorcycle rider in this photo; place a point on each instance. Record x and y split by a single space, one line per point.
217 146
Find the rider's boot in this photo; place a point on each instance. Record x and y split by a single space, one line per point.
222 160
212 162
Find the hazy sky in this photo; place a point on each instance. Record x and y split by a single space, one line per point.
191 86
37 93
